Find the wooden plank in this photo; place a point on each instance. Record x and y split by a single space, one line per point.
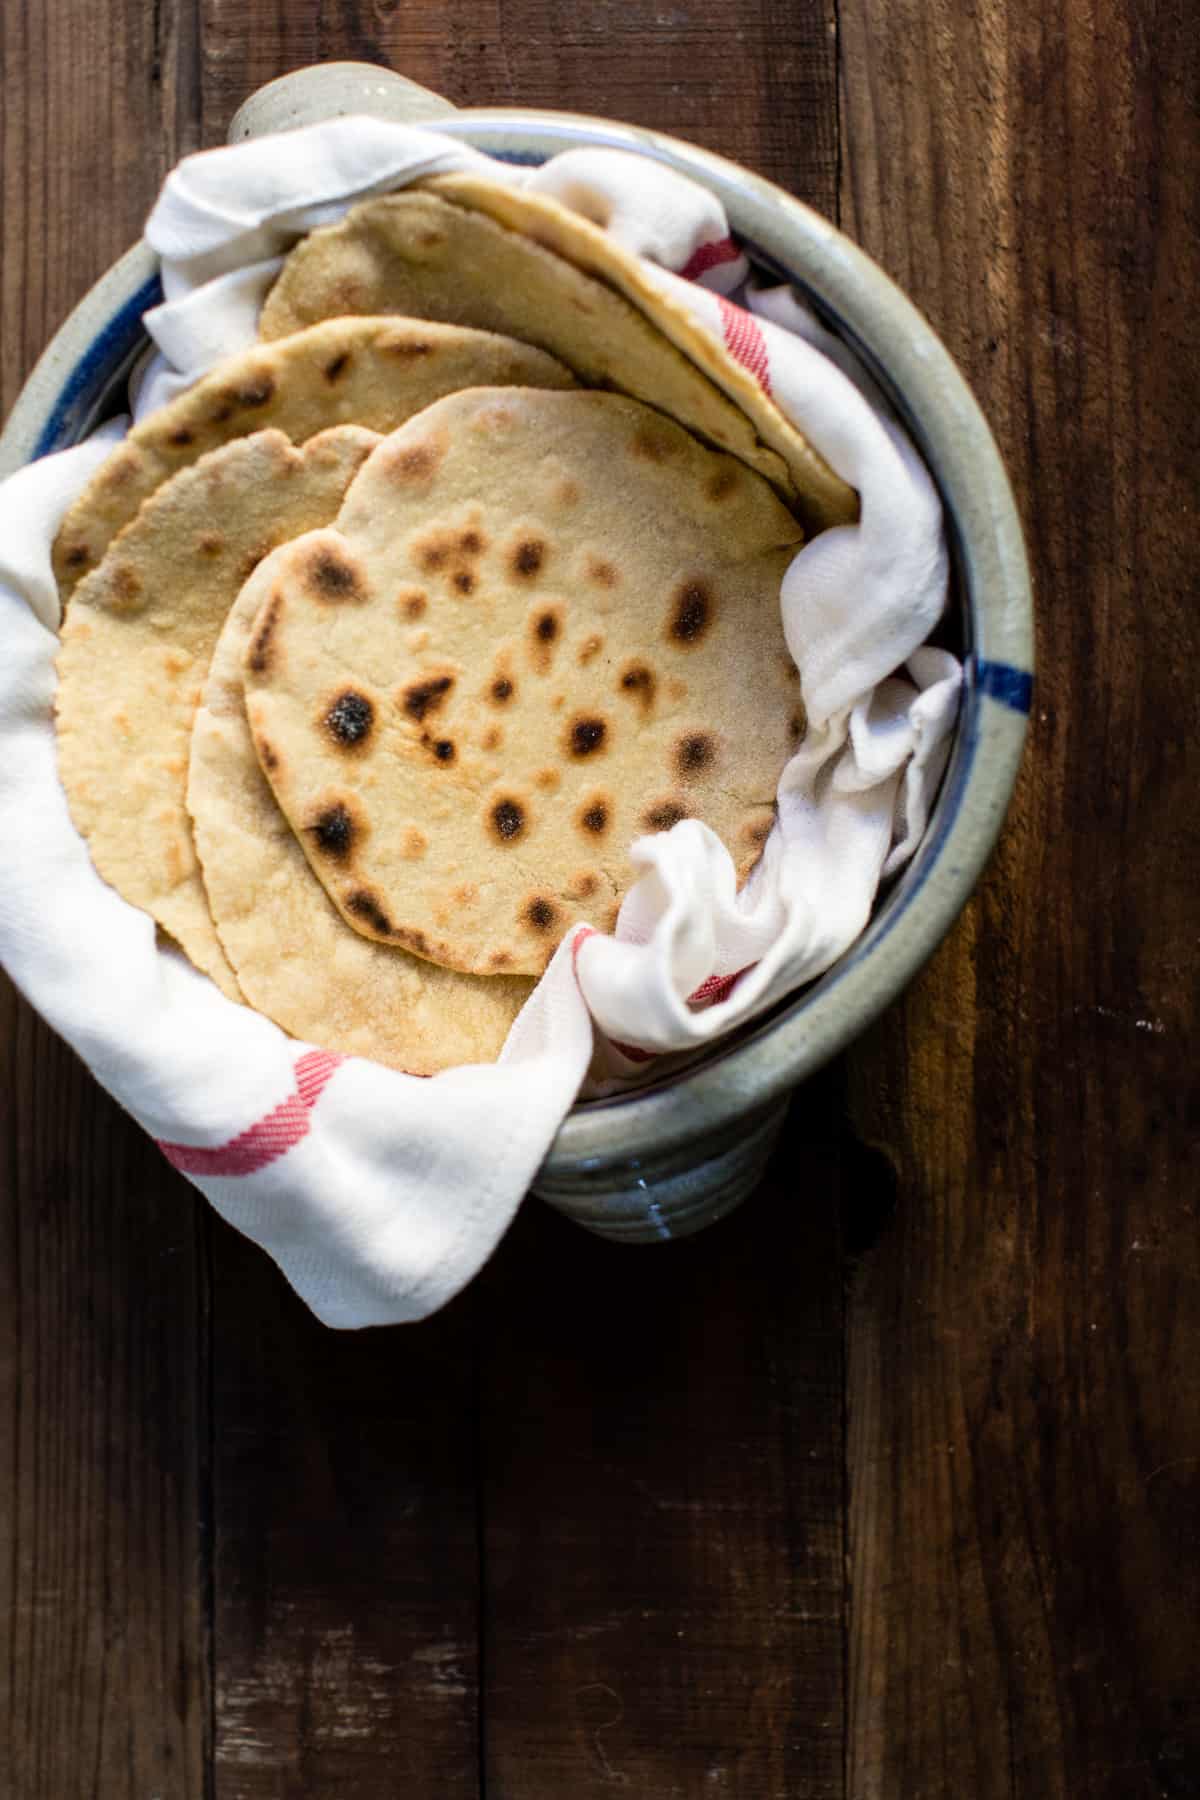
102 1428
662 1482
345 1503
662 1430
755 82
98 100
102 1357
1024 1377
754 1551
346 1553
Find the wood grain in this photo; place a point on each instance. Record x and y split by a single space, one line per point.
755 80
346 1552
96 103
1024 1393
103 1432
662 1498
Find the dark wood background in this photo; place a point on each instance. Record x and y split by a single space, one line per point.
888 1488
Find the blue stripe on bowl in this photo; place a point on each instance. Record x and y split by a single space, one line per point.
524 159
98 372
1012 687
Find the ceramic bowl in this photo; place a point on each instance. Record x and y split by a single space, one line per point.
689 1146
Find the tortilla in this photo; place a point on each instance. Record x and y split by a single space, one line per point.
296 961
543 625
370 372
136 644
415 253
822 498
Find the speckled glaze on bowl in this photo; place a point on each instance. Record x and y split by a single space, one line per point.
688 1147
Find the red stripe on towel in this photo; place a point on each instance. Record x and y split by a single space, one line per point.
710 256
581 938
714 988
745 342
313 1072
268 1138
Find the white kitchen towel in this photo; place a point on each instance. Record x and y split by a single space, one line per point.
379 1194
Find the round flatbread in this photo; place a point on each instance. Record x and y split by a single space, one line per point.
544 625
464 248
136 645
370 372
821 497
295 959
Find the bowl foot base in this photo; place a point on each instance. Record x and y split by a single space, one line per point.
644 1201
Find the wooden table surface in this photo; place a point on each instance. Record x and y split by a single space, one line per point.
888 1487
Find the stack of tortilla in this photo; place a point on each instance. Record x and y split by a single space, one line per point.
384 641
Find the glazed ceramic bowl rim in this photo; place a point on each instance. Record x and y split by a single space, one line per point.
748 1074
